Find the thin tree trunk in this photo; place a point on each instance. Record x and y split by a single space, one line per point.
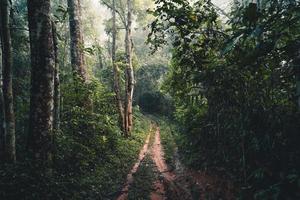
40 138
129 72
76 43
297 74
116 71
2 113
56 112
100 58
10 146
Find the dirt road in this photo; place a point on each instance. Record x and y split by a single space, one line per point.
163 180
151 177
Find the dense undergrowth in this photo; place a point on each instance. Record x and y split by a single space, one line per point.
231 88
234 88
91 158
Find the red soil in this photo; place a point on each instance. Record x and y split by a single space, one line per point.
159 193
178 182
158 158
129 180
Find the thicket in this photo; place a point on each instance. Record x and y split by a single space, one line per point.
234 87
88 152
91 158
148 94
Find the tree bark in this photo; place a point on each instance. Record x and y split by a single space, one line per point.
129 72
56 111
10 146
2 113
297 75
40 138
76 44
100 58
116 70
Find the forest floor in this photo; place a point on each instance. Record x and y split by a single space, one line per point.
152 177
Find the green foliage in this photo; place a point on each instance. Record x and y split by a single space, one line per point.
91 159
148 94
21 68
233 88
142 185
89 151
235 91
91 146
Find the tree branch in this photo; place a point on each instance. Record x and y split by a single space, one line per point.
117 11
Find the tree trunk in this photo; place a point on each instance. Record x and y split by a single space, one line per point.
56 111
100 58
10 146
2 116
297 74
129 72
116 71
40 138
76 44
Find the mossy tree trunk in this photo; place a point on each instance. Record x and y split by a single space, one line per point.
56 111
77 43
2 129
40 137
297 75
10 138
116 70
129 72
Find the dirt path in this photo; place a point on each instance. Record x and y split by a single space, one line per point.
157 156
165 179
129 180
163 184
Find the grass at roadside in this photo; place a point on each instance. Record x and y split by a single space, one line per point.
143 180
108 179
88 165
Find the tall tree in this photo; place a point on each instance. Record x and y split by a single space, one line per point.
116 69
10 138
77 43
56 111
2 129
129 71
297 73
40 137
